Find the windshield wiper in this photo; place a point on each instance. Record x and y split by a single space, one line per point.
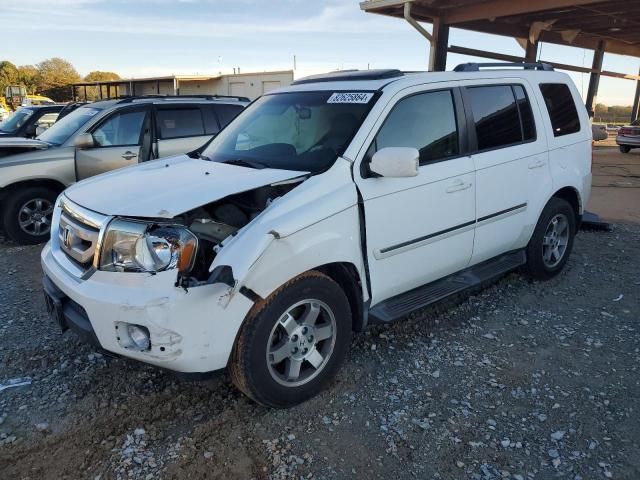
246 163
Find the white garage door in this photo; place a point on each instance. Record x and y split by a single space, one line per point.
267 86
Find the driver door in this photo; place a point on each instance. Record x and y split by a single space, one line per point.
420 229
120 140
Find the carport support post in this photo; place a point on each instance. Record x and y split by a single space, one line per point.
594 79
636 101
531 52
439 45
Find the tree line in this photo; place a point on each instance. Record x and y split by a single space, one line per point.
612 114
51 78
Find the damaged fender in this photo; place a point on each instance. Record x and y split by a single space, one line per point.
297 233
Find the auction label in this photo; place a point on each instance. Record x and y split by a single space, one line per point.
350 97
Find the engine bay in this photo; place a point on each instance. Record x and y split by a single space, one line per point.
216 222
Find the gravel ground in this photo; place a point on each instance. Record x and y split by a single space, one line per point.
518 381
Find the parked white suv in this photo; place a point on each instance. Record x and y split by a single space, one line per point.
339 201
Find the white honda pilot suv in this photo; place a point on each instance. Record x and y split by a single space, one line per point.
340 201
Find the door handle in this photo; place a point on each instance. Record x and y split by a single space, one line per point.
128 155
458 186
537 164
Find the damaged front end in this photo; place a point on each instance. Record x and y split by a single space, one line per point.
190 242
217 223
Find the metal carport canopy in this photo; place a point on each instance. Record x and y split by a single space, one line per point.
602 26
577 23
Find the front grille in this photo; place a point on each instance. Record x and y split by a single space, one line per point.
76 237
77 240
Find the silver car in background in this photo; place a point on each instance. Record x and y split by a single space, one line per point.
94 139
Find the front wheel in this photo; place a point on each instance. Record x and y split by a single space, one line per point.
625 148
27 215
552 240
291 346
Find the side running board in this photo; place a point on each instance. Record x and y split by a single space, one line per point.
420 297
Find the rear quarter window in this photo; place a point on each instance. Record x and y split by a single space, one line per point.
561 108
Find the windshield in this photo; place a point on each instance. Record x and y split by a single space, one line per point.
15 121
304 131
60 131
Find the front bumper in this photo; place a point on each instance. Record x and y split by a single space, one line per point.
191 331
631 141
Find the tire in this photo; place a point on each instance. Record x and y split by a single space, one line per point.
21 228
268 328
543 261
625 148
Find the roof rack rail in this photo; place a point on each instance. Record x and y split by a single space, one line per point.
129 99
475 67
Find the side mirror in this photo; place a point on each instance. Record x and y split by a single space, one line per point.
84 140
31 130
395 162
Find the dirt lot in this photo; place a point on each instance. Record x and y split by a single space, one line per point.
519 381
615 193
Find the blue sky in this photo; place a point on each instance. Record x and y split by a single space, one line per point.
154 37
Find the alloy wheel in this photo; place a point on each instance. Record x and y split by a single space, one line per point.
301 343
34 217
555 240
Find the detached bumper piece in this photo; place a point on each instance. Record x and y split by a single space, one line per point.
67 313
591 221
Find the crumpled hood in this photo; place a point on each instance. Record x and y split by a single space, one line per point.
168 187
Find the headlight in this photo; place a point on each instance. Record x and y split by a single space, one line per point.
130 246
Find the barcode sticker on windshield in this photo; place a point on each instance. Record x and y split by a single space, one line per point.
350 97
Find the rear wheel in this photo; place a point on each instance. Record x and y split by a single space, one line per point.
625 148
294 343
27 215
552 240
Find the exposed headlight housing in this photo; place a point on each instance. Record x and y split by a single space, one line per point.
131 246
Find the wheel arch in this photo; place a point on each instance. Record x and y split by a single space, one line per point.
571 196
55 185
346 275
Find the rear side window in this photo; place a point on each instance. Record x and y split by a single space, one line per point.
226 113
425 121
561 108
496 116
210 120
180 122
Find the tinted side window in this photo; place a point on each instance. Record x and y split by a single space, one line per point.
526 115
226 113
496 116
562 110
210 120
426 121
180 122
120 129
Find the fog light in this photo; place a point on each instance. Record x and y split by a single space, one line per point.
139 336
